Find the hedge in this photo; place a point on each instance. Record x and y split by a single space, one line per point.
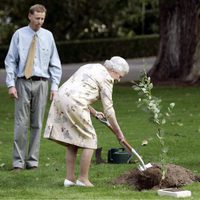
101 49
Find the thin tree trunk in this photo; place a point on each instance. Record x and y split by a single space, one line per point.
178 40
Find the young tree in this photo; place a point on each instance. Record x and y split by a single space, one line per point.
179 51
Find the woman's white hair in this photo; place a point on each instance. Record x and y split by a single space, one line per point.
117 64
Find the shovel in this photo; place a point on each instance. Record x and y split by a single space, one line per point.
127 146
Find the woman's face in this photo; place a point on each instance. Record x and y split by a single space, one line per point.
116 76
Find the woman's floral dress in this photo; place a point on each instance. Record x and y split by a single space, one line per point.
69 120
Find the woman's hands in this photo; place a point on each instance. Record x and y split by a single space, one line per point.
114 126
111 123
99 115
120 138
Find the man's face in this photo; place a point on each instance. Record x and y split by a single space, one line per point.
36 20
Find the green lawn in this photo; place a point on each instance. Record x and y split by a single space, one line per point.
182 138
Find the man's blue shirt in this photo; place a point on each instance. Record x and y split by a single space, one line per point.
46 62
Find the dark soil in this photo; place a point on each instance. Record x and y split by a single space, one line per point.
176 176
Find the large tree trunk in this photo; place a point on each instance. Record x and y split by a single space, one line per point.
179 51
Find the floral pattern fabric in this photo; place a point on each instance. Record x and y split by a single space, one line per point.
69 120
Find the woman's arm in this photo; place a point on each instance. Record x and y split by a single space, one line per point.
92 111
115 127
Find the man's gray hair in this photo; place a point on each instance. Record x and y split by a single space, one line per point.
117 64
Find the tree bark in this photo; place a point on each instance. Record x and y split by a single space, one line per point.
178 58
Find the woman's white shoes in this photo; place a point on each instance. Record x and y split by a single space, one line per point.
68 183
79 183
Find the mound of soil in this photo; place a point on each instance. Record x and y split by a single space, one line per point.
176 176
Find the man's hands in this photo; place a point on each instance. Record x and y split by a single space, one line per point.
12 92
52 94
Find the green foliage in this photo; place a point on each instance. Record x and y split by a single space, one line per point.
3 52
182 137
101 49
84 19
152 105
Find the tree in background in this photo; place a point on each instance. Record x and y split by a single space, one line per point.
179 51
83 19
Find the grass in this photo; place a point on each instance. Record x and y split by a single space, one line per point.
182 138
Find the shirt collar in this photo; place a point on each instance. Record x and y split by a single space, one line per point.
34 32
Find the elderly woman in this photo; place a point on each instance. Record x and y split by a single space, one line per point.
69 121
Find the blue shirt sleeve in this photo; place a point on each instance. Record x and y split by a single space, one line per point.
46 62
11 61
55 67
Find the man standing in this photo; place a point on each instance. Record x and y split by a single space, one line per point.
32 59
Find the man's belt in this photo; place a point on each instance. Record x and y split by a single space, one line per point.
34 78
